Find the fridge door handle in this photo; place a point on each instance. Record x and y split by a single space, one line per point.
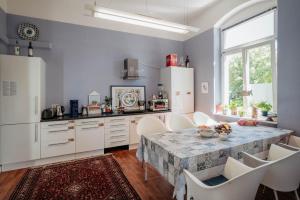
36 104
36 135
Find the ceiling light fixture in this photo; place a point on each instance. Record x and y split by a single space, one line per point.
140 20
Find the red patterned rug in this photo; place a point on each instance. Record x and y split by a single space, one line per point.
94 178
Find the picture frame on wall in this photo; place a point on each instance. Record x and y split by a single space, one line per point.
128 98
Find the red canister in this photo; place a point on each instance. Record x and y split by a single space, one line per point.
171 60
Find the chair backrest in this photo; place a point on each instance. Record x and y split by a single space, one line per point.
284 174
242 187
294 141
150 125
201 119
177 122
277 152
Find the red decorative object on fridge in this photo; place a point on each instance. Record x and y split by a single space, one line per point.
171 60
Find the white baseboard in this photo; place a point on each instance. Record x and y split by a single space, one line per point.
133 146
44 161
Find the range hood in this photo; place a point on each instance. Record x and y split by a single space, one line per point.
131 69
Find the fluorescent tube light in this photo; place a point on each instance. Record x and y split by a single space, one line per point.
135 19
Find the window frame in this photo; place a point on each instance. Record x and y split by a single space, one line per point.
271 40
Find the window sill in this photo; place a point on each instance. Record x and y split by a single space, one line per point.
233 118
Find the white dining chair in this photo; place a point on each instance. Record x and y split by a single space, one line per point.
241 183
201 119
149 125
284 174
294 141
177 122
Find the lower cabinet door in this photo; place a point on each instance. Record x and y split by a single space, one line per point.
89 137
19 143
134 138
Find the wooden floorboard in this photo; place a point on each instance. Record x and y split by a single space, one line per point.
156 188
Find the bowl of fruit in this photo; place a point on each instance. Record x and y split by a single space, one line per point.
207 132
223 130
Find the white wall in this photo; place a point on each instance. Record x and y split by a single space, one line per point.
3 5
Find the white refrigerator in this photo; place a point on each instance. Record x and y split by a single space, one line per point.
179 84
22 98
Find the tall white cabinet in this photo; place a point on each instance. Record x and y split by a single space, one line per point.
22 98
179 84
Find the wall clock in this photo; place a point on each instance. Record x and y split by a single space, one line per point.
27 31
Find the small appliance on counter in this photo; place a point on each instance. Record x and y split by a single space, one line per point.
74 108
84 110
60 110
159 104
48 114
55 111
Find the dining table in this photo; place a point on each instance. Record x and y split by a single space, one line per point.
170 152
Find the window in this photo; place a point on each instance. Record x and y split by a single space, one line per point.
248 62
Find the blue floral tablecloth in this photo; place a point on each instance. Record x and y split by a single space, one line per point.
171 152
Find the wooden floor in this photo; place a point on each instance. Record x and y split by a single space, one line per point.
156 188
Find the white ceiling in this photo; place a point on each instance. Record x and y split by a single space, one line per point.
180 11
200 13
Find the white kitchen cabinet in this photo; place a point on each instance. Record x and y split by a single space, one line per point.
89 135
116 131
19 143
57 138
179 84
134 137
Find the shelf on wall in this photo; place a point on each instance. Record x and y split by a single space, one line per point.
35 44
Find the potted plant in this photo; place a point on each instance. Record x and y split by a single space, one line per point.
241 112
233 107
225 110
265 107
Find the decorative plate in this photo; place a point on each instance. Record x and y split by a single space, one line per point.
28 31
129 99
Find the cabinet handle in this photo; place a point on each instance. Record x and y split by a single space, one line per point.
117 125
36 136
36 101
90 122
57 131
117 141
133 121
120 130
101 124
94 127
115 120
71 127
188 93
177 93
62 143
58 124
117 136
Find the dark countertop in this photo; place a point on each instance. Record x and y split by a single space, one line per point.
68 117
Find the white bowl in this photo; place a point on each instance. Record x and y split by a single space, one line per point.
223 137
208 133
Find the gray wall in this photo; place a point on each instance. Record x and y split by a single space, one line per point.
3 48
84 59
200 49
289 64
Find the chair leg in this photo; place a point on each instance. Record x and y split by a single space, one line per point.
146 171
275 194
297 196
